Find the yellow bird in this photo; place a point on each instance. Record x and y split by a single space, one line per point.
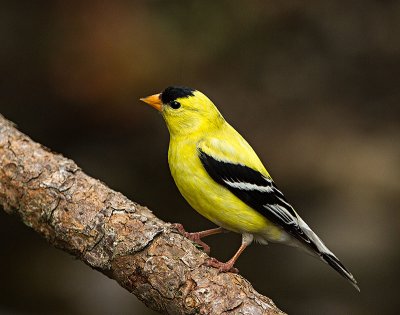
222 178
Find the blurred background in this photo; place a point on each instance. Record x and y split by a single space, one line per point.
313 87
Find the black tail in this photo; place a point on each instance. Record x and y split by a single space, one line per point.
332 261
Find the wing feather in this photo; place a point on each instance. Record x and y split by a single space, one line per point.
257 191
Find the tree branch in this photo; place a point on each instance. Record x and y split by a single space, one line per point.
114 235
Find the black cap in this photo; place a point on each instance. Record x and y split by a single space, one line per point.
171 93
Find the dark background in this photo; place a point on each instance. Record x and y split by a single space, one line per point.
313 86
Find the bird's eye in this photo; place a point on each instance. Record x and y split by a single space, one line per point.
175 104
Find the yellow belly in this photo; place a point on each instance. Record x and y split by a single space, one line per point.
212 200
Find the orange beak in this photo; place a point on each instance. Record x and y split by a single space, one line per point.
153 101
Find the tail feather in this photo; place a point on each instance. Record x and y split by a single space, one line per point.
318 247
332 261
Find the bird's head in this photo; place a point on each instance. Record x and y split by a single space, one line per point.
185 110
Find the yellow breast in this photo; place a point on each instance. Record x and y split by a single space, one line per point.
210 199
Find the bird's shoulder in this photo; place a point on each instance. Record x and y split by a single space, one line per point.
227 145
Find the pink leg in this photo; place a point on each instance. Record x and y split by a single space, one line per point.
197 236
228 266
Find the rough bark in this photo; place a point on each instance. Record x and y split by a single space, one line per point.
114 235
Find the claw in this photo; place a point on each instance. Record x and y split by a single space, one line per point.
194 237
221 266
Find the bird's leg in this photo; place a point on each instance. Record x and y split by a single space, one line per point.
228 266
197 236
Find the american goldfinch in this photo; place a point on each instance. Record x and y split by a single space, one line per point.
222 178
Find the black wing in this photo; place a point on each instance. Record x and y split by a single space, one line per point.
257 191
260 193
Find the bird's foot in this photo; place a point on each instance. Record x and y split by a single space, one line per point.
221 266
194 237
